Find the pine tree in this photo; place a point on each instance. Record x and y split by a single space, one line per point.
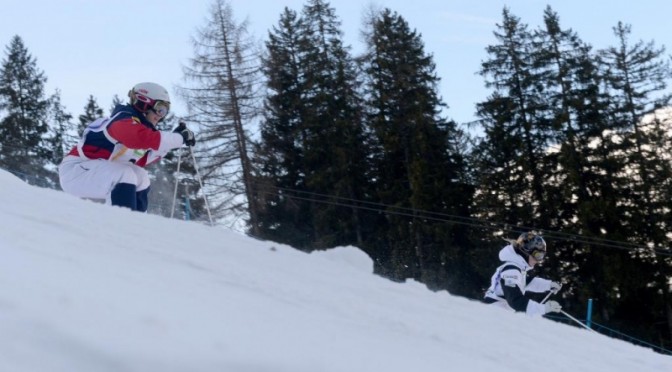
91 112
312 136
531 108
637 76
284 217
417 165
333 151
116 101
511 158
606 170
25 124
584 191
61 135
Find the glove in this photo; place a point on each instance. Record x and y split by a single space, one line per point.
555 287
187 135
552 307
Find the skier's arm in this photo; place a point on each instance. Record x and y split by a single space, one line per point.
512 281
538 285
131 133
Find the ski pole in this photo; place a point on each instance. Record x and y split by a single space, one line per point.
577 321
546 298
179 161
200 182
549 295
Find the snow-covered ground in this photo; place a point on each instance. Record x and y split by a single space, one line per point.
89 287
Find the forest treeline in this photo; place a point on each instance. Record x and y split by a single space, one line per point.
316 147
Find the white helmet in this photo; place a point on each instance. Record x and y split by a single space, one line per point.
149 96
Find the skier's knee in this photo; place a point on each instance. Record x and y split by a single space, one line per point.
143 179
142 200
128 176
123 195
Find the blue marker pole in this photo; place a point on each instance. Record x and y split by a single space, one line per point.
589 315
187 208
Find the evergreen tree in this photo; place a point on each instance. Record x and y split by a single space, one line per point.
546 95
333 150
605 164
91 112
511 157
279 158
417 165
637 77
22 99
61 137
312 136
116 101
585 192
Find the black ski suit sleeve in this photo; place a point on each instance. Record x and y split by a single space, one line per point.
512 293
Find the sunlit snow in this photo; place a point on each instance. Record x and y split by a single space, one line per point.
90 287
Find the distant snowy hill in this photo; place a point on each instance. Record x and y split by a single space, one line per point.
89 287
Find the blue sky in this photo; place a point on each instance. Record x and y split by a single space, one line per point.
104 47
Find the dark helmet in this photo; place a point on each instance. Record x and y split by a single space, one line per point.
531 244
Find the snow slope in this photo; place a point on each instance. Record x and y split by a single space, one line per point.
89 287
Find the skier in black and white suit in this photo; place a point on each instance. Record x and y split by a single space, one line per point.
510 283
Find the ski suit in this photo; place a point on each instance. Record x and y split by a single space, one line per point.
109 163
510 283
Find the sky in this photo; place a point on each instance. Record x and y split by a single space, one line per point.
96 288
103 48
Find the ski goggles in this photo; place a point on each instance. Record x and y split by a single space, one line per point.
538 255
161 108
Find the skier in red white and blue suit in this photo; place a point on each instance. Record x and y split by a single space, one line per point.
108 162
